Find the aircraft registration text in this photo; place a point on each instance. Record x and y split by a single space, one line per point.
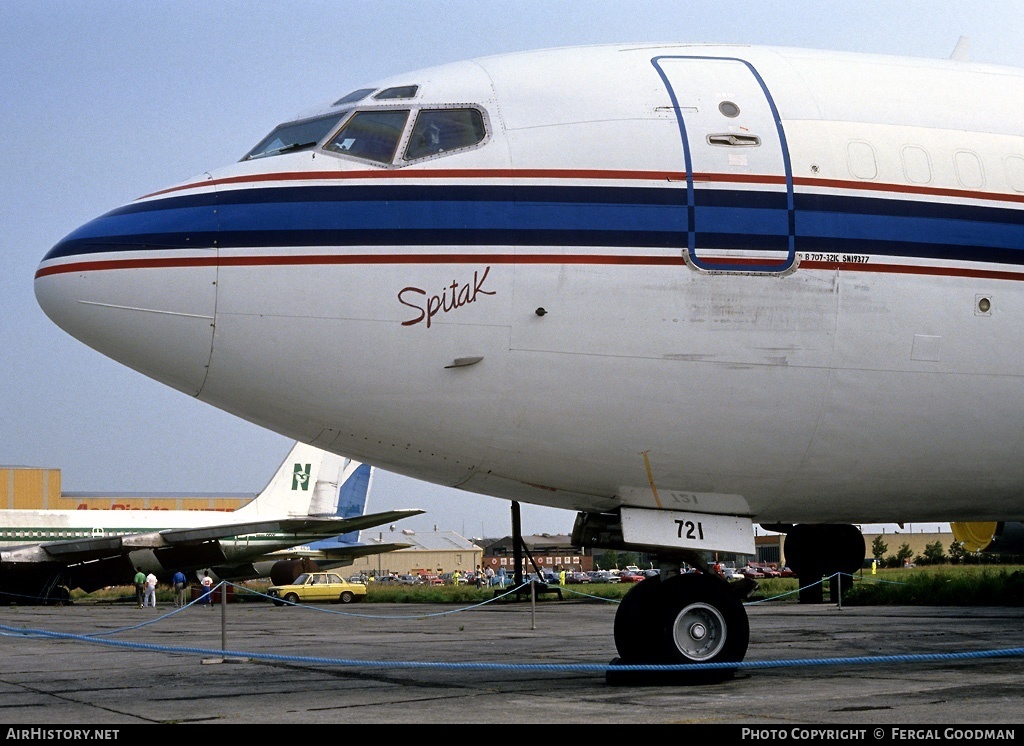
814 256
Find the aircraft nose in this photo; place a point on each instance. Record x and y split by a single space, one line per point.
139 284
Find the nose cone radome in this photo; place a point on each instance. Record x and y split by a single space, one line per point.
136 294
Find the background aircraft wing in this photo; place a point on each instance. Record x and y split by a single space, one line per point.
73 551
324 526
66 551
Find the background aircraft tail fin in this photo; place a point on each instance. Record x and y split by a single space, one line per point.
313 482
352 498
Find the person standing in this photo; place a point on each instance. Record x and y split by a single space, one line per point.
179 589
207 582
150 591
140 586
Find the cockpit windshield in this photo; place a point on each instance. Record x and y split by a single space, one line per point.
372 134
291 136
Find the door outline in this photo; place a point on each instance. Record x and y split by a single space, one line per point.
690 253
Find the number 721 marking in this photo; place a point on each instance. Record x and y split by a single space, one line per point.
690 530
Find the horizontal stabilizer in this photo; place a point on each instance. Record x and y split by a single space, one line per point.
341 552
363 550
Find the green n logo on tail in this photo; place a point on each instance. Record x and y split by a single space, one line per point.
300 477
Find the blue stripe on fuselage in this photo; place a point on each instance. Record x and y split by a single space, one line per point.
628 217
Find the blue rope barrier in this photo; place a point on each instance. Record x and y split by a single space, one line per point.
480 666
93 638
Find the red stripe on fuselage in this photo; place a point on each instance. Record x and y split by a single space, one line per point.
598 174
441 173
594 259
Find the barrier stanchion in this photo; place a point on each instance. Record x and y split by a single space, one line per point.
533 604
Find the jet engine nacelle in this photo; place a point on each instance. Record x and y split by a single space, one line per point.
285 571
990 537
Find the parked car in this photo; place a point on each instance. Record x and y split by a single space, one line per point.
317 586
575 578
409 579
545 576
447 578
628 576
751 572
603 576
769 572
786 572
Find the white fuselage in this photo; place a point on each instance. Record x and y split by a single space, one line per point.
806 309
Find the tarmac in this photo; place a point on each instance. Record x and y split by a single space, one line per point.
498 664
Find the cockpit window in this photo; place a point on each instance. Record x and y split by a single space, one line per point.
371 134
354 96
440 130
401 91
292 136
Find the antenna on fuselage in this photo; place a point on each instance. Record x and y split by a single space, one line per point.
962 50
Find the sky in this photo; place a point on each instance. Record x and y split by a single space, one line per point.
104 101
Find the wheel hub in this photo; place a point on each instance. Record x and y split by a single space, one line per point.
699 631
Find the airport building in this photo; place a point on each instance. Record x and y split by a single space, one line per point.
35 488
432 552
549 551
446 551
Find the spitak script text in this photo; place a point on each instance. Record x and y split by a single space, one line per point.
455 296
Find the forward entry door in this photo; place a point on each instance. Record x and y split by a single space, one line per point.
739 183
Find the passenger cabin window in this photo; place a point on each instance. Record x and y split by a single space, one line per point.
293 136
968 169
860 157
401 91
442 130
1015 172
353 97
372 134
916 165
